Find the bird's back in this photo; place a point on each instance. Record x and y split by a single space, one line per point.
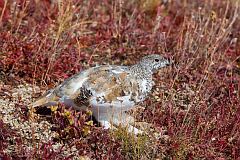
101 86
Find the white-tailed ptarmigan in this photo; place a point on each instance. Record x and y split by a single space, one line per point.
110 90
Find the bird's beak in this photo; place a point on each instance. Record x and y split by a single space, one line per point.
168 62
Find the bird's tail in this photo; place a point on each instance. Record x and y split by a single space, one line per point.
49 98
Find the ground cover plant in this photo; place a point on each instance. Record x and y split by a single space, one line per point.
193 112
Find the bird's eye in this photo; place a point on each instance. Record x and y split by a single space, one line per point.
156 60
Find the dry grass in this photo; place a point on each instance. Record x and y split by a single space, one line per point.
194 108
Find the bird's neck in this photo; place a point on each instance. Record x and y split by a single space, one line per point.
141 71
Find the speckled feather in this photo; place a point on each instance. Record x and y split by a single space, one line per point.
107 87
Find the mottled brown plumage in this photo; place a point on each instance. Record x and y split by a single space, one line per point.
110 90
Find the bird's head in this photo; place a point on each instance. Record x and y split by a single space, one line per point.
154 62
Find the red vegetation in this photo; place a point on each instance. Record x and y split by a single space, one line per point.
44 42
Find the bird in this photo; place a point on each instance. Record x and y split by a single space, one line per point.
110 90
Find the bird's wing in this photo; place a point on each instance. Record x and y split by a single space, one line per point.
70 88
113 86
103 85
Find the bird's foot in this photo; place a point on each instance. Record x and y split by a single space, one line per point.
130 128
134 130
106 124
